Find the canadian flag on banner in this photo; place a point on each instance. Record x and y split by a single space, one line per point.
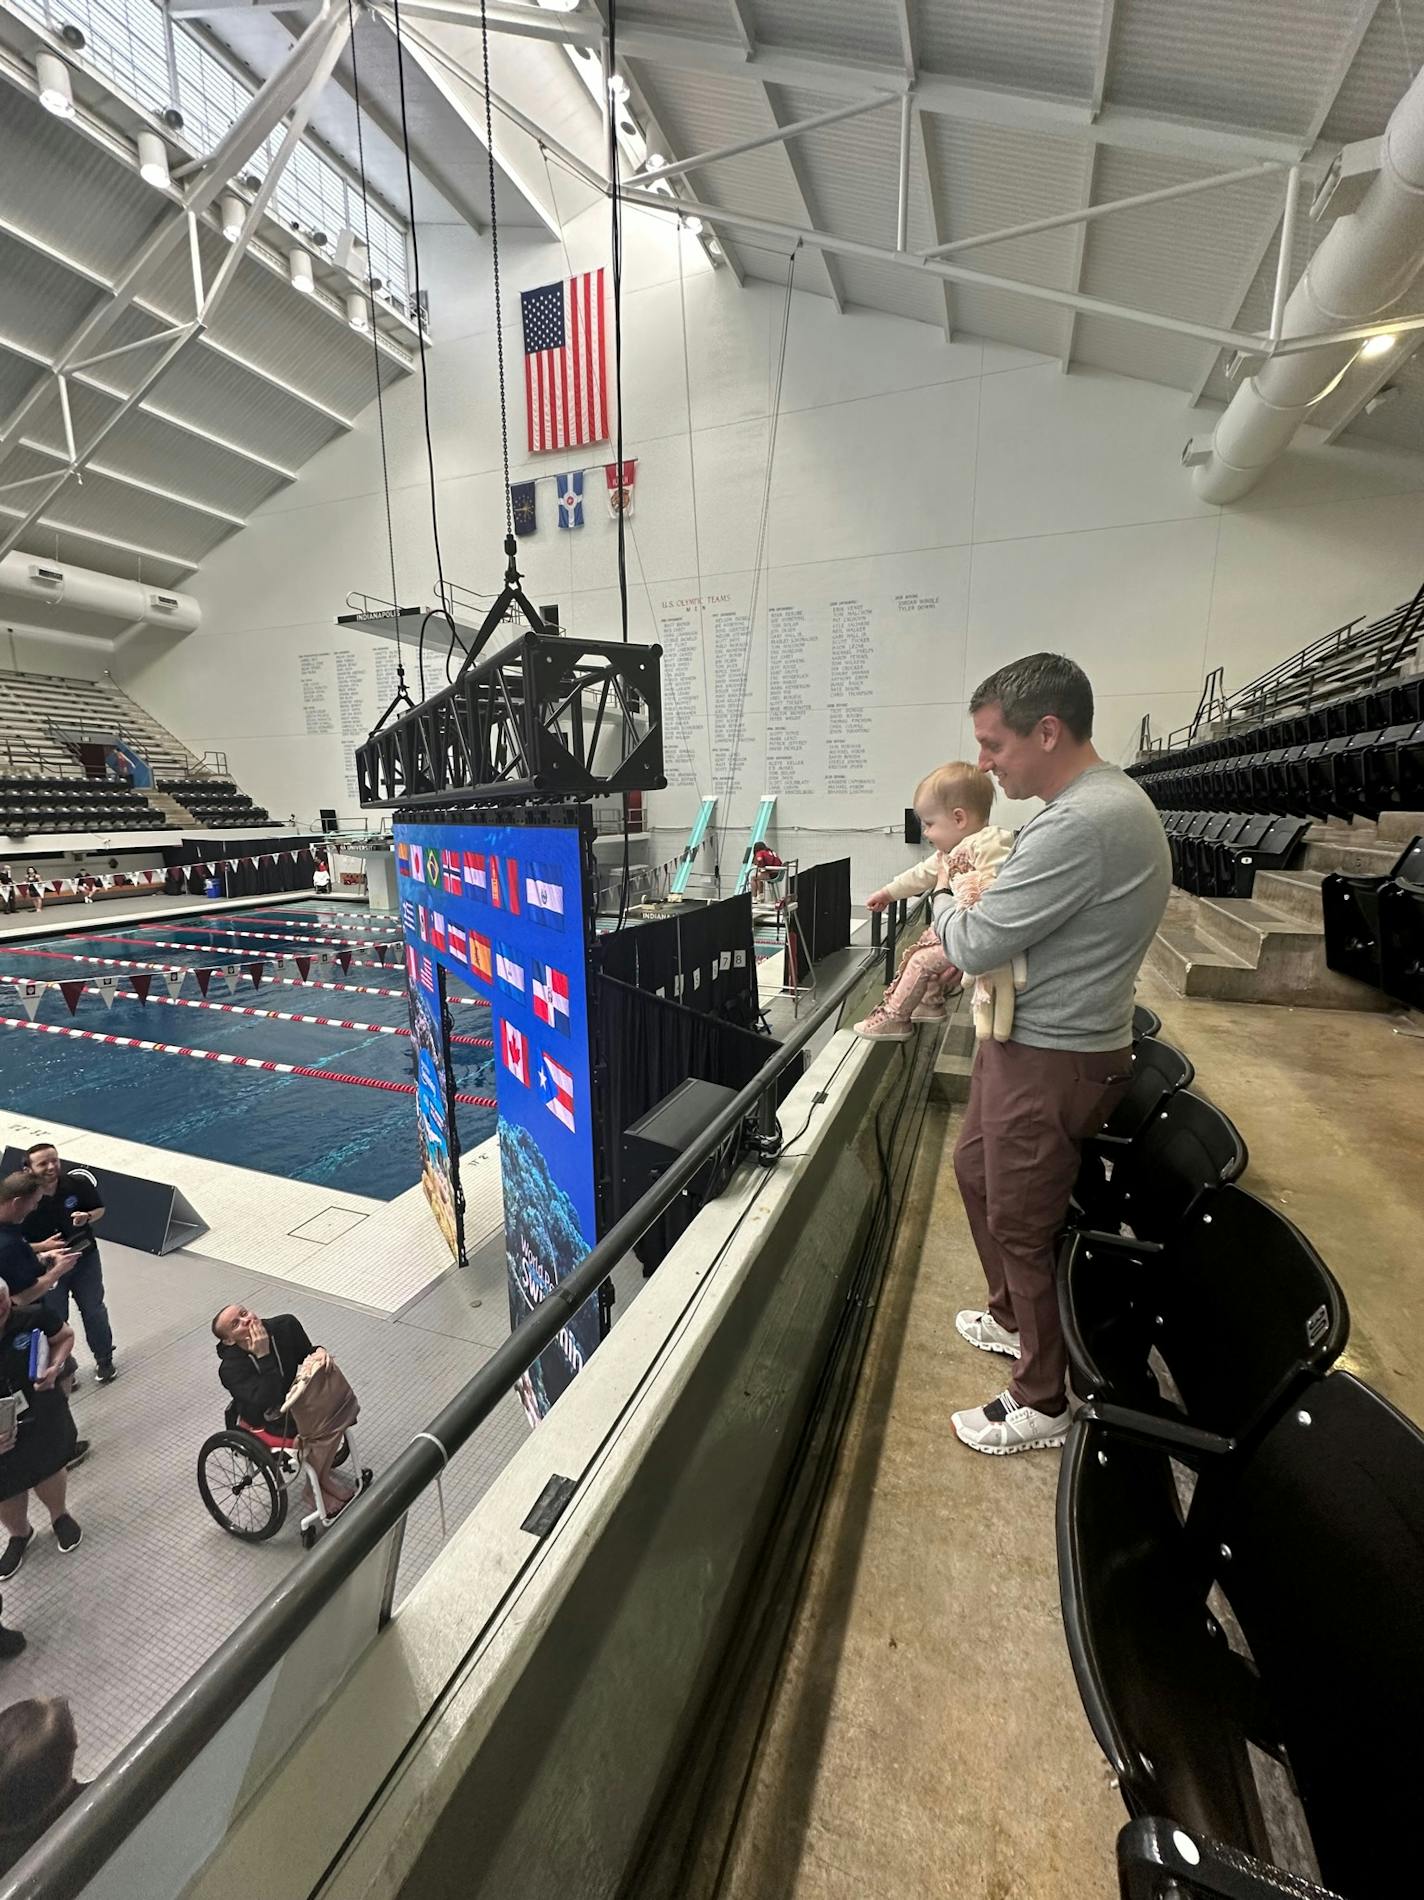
174 979
108 988
31 995
620 493
515 1051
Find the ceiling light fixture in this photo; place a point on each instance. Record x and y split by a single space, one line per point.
618 87
655 162
714 248
1378 346
299 269
356 314
153 160
233 214
694 225
56 93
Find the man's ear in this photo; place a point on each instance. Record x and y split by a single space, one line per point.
1050 731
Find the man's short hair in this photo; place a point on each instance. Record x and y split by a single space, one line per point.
217 1322
1037 687
958 783
17 1187
38 1148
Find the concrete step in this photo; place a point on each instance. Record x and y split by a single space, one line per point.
1191 965
1362 860
955 1062
1254 929
1343 831
1400 827
1294 893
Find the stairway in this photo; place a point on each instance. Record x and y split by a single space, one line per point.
1270 947
170 812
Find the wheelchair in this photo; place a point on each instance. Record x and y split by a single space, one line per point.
247 1477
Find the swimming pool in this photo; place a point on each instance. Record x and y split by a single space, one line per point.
338 1134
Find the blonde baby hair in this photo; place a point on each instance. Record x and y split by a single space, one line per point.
958 784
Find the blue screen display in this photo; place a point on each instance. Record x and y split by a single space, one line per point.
502 908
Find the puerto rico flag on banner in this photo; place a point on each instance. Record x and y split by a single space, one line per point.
476 876
417 863
450 866
481 956
459 949
509 972
544 894
570 492
565 379
437 930
514 1050
551 996
556 1086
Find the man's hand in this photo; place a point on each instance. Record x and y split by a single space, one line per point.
55 1244
79 1218
878 900
59 1265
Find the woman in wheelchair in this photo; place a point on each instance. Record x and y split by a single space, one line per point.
299 1434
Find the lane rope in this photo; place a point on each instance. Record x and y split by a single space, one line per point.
270 1015
226 1060
297 936
290 982
235 955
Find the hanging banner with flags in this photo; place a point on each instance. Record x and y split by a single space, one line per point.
32 995
141 982
620 493
204 977
254 970
71 989
108 988
174 979
521 504
565 379
570 492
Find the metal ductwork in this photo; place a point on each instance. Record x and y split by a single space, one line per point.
57 585
1363 267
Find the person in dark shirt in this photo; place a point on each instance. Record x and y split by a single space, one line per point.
69 1208
257 1362
29 1272
38 1744
37 1439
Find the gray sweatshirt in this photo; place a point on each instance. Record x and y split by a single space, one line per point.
1081 894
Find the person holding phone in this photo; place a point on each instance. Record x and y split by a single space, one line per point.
64 1218
37 1436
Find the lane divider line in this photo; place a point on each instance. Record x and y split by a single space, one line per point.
273 1015
290 982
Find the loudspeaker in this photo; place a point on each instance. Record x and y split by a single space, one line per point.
651 1146
914 830
328 818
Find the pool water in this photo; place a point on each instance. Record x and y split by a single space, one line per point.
342 1136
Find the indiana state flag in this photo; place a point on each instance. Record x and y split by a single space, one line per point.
570 491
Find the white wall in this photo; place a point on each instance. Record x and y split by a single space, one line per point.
1036 510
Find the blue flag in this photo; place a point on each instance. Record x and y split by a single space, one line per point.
570 490
521 501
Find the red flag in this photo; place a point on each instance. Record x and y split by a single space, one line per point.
204 978
303 966
71 992
511 885
343 957
381 949
620 493
254 970
141 982
565 373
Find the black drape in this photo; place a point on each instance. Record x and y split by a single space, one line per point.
821 918
702 957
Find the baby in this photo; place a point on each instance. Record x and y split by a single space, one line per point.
953 803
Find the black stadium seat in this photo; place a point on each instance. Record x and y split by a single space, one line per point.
1145 1021
1237 1309
1316 1543
1186 1147
1355 922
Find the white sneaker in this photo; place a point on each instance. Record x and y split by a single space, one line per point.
1004 1426
985 1332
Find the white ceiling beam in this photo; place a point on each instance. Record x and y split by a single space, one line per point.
1344 59
745 57
905 28
1107 20
1080 246
658 140
934 198
796 166
114 474
742 27
52 526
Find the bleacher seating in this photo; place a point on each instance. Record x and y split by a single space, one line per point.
1240 1544
216 802
71 804
1374 926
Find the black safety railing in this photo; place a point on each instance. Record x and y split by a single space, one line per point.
88 1833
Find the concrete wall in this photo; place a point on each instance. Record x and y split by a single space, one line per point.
513 1729
1046 510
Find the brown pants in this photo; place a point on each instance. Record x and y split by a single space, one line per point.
1016 1161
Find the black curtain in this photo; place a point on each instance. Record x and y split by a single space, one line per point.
702 958
821 921
648 1046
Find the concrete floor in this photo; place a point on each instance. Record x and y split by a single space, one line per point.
925 1737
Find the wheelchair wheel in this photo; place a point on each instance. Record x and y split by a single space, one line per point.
241 1485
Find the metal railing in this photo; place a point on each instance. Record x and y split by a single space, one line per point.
87 1834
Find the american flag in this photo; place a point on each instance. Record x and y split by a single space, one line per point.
565 386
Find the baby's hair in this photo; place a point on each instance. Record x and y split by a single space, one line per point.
957 783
